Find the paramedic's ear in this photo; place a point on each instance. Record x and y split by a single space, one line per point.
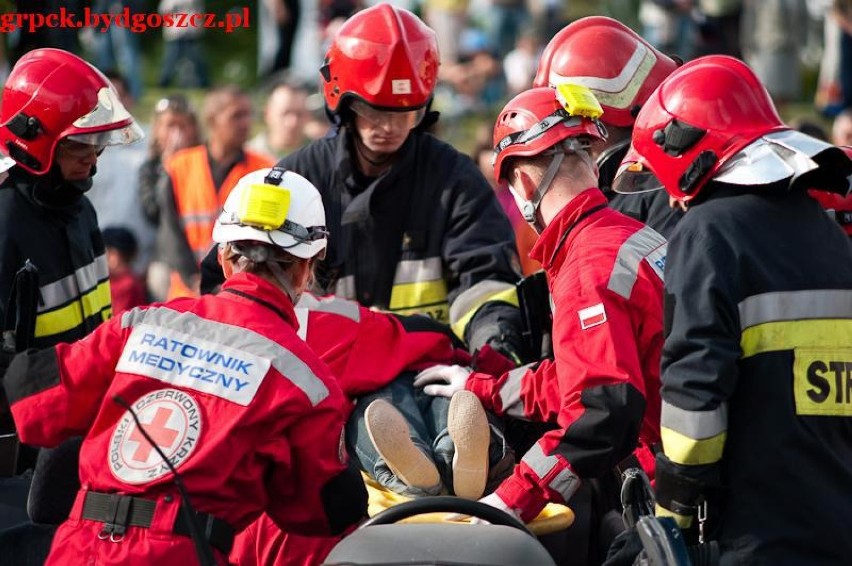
227 265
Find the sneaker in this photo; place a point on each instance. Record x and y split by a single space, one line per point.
468 427
390 435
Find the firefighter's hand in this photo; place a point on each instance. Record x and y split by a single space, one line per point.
493 500
442 381
7 424
5 359
625 548
508 347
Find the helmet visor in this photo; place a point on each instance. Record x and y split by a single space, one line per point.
109 111
634 177
120 136
396 119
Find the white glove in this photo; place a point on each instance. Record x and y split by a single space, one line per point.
493 500
442 381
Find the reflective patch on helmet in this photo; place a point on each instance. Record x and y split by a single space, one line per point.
822 381
172 419
619 91
401 86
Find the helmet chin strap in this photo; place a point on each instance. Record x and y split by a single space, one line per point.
530 208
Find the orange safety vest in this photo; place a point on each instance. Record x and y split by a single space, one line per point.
198 202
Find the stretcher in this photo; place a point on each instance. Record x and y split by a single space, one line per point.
553 518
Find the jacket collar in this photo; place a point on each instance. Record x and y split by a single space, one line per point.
359 209
550 248
249 287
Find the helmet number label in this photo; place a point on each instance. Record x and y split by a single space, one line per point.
401 86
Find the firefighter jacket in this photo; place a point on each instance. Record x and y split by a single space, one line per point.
197 201
651 208
55 227
248 415
757 393
426 237
602 388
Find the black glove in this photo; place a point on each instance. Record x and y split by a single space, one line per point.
6 358
624 549
505 345
7 424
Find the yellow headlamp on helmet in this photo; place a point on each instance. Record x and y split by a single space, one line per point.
579 100
264 206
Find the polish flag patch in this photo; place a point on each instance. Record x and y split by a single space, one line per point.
592 316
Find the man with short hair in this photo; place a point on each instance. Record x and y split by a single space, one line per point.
199 180
284 117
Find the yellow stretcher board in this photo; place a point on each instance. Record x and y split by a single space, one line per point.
553 518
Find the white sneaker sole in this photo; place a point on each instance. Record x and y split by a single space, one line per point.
468 427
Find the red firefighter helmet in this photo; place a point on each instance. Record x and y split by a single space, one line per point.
384 55
620 67
537 120
52 94
700 117
838 205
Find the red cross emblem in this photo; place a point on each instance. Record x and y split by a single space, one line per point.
158 431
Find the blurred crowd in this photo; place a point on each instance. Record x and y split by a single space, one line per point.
801 50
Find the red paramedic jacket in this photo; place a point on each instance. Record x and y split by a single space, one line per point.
605 272
246 412
365 350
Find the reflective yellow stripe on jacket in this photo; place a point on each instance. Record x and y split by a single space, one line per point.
470 301
693 438
816 325
66 303
419 287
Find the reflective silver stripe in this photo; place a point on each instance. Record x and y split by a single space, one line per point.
332 304
417 270
630 255
510 392
284 361
345 287
565 483
696 425
302 318
795 305
73 286
476 295
199 217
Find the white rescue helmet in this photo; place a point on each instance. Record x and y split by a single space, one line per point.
276 207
